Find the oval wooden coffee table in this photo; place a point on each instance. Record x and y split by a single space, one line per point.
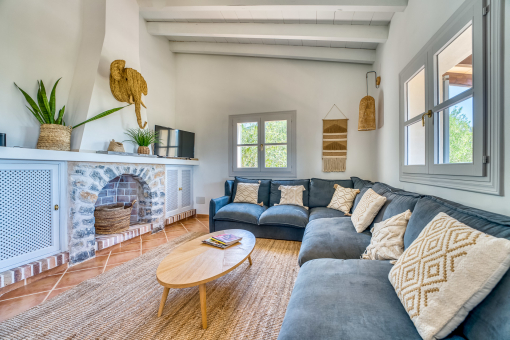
195 263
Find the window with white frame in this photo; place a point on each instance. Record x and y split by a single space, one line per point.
263 144
448 97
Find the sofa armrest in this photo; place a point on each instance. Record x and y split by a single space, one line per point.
215 205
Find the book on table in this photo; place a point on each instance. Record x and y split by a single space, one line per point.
222 241
227 239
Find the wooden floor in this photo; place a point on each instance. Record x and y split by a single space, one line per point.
26 297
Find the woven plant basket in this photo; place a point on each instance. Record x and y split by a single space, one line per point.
116 146
55 137
113 218
144 150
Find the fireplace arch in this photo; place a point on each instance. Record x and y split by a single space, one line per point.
86 181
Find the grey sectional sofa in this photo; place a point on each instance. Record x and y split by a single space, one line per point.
339 296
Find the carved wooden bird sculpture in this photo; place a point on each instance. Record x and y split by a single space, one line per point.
127 86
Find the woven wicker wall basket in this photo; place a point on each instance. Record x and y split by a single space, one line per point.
366 114
55 137
112 218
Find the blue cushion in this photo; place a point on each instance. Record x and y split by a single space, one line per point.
359 183
285 215
240 212
263 189
398 202
334 238
346 299
276 194
322 190
321 212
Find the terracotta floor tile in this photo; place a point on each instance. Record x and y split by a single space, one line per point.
42 285
153 243
55 292
122 257
106 251
157 235
74 278
196 227
10 308
128 247
133 240
98 261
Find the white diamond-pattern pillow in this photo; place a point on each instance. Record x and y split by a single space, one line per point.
292 195
448 270
367 208
247 193
387 242
343 198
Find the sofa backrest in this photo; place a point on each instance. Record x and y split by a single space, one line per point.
276 194
488 320
322 190
229 187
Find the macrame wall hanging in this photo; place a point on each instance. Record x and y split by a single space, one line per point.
334 143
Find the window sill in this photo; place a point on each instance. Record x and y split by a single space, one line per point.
264 174
483 185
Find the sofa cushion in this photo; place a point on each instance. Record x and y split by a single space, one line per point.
333 238
240 212
321 212
229 187
398 202
363 190
276 194
285 215
488 320
265 184
358 183
322 190
345 299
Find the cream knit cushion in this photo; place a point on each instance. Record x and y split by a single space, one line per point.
247 193
387 241
367 208
292 195
343 198
448 270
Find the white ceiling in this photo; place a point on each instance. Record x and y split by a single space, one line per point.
269 14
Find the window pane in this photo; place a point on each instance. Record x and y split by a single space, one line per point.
247 133
415 136
247 157
455 66
416 95
276 156
276 131
455 134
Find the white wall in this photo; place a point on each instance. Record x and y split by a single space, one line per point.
39 40
210 88
408 34
158 65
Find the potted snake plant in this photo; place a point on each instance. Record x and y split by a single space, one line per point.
143 138
54 134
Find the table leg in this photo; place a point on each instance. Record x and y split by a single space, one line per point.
203 305
249 259
163 300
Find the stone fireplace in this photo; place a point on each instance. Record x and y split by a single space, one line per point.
92 184
122 189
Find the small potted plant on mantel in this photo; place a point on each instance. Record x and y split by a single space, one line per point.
54 134
143 138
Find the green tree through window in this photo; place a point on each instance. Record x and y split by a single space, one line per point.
461 137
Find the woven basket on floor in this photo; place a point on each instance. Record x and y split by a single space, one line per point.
113 218
55 137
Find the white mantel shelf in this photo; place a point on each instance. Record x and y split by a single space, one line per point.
70 156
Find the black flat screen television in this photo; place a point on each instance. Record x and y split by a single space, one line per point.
174 143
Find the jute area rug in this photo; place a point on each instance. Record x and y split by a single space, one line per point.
247 303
